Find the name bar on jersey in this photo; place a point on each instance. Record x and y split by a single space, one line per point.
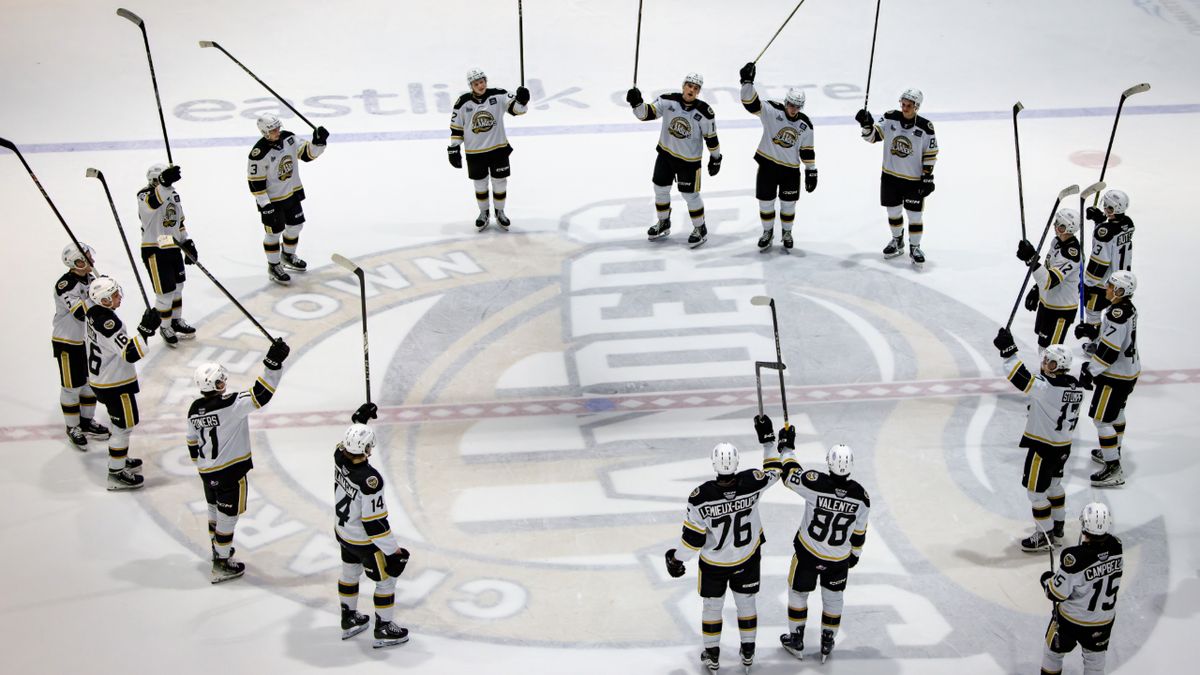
206 421
1103 569
343 481
832 504
725 508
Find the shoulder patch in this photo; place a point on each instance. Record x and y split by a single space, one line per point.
110 324
372 482
706 110
255 152
1068 560
1117 312
804 118
1101 232
463 98
695 493
62 284
759 475
1072 252
811 475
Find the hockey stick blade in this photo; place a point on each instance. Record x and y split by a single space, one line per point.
1091 190
122 12
204 44
761 300
4 142
1068 191
1135 89
94 173
1018 107
346 262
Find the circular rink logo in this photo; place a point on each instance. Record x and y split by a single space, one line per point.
548 401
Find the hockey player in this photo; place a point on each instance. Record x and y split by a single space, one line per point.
365 537
218 439
1054 398
688 124
1084 592
787 141
111 355
478 124
1112 250
1055 294
1114 368
71 301
163 237
828 542
722 526
274 175
909 154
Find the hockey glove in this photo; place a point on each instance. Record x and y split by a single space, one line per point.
1004 343
864 119
634 97
455 154
1085 375
1031 300
320 136
927 186
150 322
189 248
810 179
277 354
1026 251
169 176
674 567
851 561
395 563
1087 331
1094 214
748 72
764 429
522 95
787 438
366 411
714 164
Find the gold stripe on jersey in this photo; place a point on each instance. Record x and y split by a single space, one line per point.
288 195
1063 307
64 341
228 464
489 149
1083 623
1044 441
686 159
1016 374
356 542
822 557
760 153
375 517
110 385
901 175
736 562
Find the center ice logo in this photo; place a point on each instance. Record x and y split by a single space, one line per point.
786 137
680 127
482 122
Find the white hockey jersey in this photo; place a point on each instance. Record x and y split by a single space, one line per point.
161 214
1116 352
218 428
478 123
274 170
359 505
722 522
112 352
910 148
1112 250
835 512
686 127
786 142
1087 582
1058 278
1053 405
71 303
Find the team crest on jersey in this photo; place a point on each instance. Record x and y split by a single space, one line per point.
171 215
759 475
372 482
901 146
840 492
1101 232
1102 556
680 127
256 152
286 167
110 324
730 495
811 475
786 138
1117 313
482 122
62 284
1068 560
1073 252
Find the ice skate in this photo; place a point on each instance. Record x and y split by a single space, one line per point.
124 479
787 241
353 623
764 242
711 658
916 255
95 430
276 273
293 261
133 465
77 437
1098 456
1038 542
747 656
894 248
482 222
794 643
1110 476
169 336
826 644
660 229
502 220
388 634
698 236
183 330
224 569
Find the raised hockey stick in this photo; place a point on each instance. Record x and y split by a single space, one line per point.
5 143
637 46
362 286
1066 192
871 63
1135 89
224 290
95 173
770 302
785 22
1017 108
210 43
521 43
758 367
137 20
1093 189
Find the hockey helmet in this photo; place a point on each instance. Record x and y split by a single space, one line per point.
71 255
913 94
795 97
1123 281
359 438
155 171
1068 220
725 459
475 74
1116 200
267 122
694 78
103 288
1060 356
210 377
1095 519
840 459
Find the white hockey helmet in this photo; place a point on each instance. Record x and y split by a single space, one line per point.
1067 219
155 171
268 122
795 97
475 74
840 459
1123 281
71 255
358 439
694 78
210 376
1116 200
913 94
725 459
1095 519
103 288
1060 356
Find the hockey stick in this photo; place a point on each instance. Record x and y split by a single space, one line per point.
758 366
637 46
1093 189
137 20
224 290
95 173
210 43
1066 192
521 42
1017 108
785 22
5 143
362 286
764 300
1043 531
871 63
1135 89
